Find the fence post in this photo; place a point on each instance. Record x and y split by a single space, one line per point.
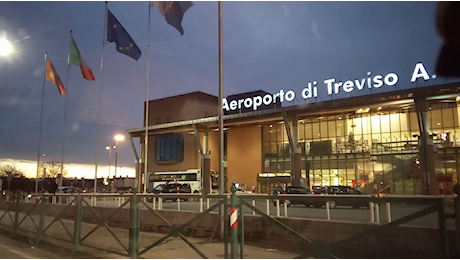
371 211
285 209
41 222
234 222
226 226
328 212
16 211
134 226
388 212
268 207
241 226
201 202
457 217
442 228
377 213
77 223
277 207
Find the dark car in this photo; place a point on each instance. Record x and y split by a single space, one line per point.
171 188
341 190
291 190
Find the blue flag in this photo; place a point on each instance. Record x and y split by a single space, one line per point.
173 11
116 33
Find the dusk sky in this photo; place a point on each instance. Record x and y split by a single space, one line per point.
266 45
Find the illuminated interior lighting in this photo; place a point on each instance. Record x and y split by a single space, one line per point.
380 108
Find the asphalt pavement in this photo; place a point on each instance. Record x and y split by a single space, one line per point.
14 249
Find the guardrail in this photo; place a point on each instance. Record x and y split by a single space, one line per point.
77 203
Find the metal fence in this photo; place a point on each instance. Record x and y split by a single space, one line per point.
71 211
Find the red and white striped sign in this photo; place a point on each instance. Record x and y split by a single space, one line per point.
233 218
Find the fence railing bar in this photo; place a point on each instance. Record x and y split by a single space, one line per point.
27 214
156 213
159 241
192 246
57 217
64 226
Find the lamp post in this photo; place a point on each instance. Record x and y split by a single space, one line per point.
109 148
110 164
117 138
38 171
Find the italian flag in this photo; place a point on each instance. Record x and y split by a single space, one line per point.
77 59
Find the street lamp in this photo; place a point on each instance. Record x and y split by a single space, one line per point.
117 138
5 47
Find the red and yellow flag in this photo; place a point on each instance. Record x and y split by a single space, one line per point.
53 77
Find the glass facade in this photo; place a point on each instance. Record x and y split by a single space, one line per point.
366 147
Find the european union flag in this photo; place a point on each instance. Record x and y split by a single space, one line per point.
116 33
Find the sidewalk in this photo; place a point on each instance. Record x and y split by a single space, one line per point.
101 244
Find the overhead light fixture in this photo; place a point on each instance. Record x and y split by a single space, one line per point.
457 98
359 111
380 108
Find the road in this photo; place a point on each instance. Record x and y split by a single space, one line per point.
13 249
300 211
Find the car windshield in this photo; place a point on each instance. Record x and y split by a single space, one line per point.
159 187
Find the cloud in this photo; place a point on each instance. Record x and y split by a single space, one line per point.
314 27
286 10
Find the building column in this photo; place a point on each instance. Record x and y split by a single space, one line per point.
427 156
206 164
296 156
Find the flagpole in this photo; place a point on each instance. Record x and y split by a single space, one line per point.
40 131
65 113
146 138
221 125
100 101
220 111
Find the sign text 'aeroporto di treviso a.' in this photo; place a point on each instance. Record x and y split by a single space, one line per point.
331 85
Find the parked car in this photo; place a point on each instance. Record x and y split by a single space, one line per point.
341 190
67 189
292 190
171 188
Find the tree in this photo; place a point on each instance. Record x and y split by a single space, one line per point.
16 173
53 169
339 145
363 145
351 143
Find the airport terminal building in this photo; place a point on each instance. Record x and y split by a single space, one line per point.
399 142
